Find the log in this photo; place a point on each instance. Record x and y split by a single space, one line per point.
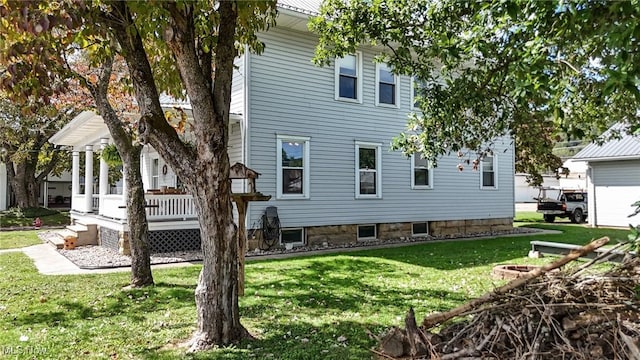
393 343
438 318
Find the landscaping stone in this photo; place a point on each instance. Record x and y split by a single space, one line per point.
95 257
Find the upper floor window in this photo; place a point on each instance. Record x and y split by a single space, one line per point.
488 172
416 86
349 77
387 87
368 175
422 173
293 167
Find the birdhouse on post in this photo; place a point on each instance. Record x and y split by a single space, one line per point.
239 171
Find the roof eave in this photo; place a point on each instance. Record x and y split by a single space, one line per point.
609 158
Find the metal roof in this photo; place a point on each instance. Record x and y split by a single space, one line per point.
308 7
627 147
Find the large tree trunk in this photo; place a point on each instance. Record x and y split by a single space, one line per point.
217 291
23 182
137 218
130 155
205 169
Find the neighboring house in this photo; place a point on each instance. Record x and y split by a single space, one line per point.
319 137
613 180
55 191
576 179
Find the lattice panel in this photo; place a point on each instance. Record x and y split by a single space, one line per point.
174 240
109 238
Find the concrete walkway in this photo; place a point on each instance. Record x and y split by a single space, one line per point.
48 261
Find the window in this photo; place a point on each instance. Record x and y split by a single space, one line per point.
293 167
419 229
416 86
368 164
292 236
387 86
367 232
488 172
348 78
155 174
422 174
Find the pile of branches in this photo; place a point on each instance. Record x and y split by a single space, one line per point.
570 314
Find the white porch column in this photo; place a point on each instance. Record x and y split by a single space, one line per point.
88 178
104 175
75 178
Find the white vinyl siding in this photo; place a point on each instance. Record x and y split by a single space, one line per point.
421 173
290 95
237 86
387 87
368 170
348 78
293 167
488 175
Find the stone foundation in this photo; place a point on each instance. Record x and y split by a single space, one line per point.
346 234
469 227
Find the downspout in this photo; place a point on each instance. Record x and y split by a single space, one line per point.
591 203
244 131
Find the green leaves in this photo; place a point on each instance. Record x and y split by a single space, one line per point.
528 69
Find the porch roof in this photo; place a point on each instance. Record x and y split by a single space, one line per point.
88 128
85 129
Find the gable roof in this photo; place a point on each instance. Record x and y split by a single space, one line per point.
625 148
308 7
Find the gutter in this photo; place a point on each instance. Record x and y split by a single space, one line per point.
608 158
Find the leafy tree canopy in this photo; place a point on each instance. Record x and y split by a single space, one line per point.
531 69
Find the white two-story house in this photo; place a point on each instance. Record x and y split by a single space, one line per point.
320 138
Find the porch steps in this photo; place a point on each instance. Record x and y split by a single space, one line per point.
58 240
85 235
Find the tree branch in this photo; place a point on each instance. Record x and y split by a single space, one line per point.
152 125
55 158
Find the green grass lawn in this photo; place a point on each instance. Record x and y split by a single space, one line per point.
297 308
25 217
18 239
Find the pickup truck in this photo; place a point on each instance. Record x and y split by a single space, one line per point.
567 203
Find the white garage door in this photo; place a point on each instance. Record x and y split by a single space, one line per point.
613 204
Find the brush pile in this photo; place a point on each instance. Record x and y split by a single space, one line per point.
570 314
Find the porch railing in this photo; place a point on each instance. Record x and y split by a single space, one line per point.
95 203
166 207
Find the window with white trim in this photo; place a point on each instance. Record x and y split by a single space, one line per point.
488 177
416 86
155 174
387 86
367 232
292 236
420 228
348 80
422 173
368 170
293 167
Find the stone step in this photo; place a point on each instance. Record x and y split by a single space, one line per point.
85 235
57 238
77 228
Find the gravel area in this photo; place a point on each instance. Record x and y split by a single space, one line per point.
96 257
